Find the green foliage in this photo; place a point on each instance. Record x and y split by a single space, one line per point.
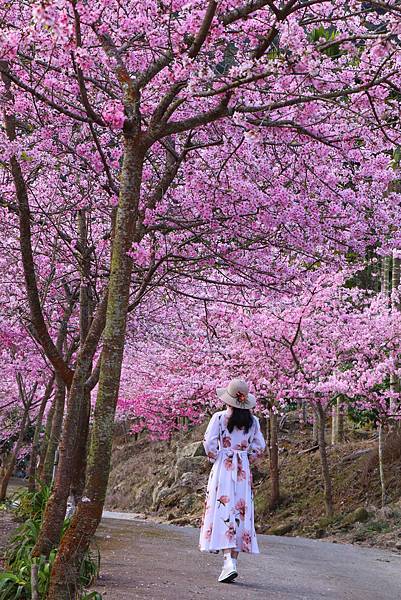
31 504
396 158
92 596
378 527
362 418
329 35
15 583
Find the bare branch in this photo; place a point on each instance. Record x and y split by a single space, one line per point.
203 30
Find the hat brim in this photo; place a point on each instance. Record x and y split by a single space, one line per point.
225 396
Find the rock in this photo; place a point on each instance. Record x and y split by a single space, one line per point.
320 533
357 454
282 529
191 450
189 464
157 490
191 480
326 522
143 495
172 497
163 493
386 512
180 521
187 503
359 515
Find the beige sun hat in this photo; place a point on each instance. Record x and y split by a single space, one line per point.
237 394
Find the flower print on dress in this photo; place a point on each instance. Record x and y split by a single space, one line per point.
223 500
228 463
242 445
241 473
208 533
212 455
231 532
226 441
241 507
246 541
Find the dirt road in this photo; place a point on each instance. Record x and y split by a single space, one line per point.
162 562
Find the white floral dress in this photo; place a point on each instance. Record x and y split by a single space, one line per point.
228 520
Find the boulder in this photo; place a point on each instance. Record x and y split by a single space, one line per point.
189 464
282 529
386 512
359 515
172 498
191 480
191 450
157 490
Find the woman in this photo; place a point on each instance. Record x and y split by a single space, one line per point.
232 441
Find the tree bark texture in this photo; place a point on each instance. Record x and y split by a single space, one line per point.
36 436
381 466
9 468
54 514
89 511
274 461
55 433
327 487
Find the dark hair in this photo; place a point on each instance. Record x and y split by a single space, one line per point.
241 418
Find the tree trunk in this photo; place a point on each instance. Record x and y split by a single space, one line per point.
381 466
395 306
85 315
340 420
333 425
80 459
263 426
55 434
36 437
9 469
88 513
46 438
337 422
54 514
385 275
273 461
315 430
304 413
328 494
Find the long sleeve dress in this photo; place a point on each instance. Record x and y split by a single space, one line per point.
228 520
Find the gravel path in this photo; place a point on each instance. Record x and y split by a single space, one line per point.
162 562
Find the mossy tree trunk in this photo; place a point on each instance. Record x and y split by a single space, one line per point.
54 514
55 433
61 338
36 436
46 437
71 436
88 513
86 312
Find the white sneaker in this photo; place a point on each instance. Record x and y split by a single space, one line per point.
229 571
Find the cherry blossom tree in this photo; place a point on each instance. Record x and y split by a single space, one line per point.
180 128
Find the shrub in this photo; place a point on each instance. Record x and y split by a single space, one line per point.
15 583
